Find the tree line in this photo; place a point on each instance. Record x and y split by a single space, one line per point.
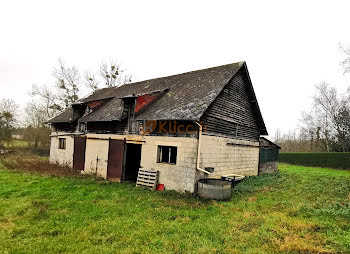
49 100
325 127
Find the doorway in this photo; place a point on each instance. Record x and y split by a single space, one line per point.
132 162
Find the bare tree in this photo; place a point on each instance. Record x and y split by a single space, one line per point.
327 121
346 62
36 132
113 75
45 100
277 136
8 114
67 82
91 81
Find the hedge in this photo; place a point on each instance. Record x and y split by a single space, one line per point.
327 160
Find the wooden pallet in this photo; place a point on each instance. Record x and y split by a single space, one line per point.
147 178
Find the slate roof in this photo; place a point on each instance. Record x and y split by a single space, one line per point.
188 97
110 111
185 96
264 142
65 116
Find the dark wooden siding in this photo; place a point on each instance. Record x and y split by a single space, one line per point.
232 113
162 128
117 127
65 127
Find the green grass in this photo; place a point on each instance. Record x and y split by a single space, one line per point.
328 160
16 143
299 210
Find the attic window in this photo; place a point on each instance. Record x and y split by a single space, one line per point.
82 127
62 143
167 154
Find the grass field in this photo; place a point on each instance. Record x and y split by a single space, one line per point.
299 210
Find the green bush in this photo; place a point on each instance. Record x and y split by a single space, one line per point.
328 160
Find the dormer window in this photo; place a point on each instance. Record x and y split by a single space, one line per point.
82 127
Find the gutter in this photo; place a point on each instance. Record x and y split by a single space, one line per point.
199 149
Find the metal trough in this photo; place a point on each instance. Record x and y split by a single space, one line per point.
217 189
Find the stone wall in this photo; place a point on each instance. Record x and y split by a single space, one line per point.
268 167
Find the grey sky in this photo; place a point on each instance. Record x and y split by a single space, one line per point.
288 46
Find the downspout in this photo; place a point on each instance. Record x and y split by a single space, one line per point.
199 149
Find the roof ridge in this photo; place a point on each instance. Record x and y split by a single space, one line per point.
182 73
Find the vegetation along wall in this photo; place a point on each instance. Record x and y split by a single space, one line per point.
328 160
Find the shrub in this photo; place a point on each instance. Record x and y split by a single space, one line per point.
328 160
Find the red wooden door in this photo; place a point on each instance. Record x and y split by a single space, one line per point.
115 159
79 153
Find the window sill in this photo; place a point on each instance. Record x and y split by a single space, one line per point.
165 163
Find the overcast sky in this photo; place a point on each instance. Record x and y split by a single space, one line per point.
289 47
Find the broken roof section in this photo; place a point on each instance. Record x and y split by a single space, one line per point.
184 96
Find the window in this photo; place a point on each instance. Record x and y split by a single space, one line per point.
62 143
167 154
82 127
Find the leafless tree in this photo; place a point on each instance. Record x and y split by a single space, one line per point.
91 81
8 119
346 62
67 82
325 121
113 75
45 100
277 136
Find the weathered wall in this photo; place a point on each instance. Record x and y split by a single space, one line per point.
233 113
268 167
180 177
96 149
226 159
242 158
62 156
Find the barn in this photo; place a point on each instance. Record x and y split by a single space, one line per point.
194 125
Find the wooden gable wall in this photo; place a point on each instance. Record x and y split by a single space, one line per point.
232 113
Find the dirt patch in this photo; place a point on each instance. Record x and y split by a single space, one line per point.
35 164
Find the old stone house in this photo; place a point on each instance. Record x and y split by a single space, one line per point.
189 126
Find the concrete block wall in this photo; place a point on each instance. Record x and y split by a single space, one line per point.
226 159
180 177
63 157
242 158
